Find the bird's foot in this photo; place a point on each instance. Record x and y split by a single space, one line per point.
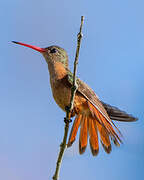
66 120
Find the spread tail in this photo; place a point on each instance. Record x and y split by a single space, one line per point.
91 124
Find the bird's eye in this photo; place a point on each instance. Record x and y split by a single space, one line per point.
53 50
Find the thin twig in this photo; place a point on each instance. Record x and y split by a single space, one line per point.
67 119
74 87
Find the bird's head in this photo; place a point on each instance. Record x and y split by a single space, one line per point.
51 54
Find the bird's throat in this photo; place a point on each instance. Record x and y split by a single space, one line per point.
57 70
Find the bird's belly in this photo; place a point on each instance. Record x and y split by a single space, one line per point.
62 95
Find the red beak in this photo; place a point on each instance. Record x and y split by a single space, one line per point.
41 50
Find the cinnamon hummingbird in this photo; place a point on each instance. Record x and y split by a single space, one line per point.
94 117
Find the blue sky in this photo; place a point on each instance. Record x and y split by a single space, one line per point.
111 62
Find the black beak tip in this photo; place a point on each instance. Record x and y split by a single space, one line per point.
14 42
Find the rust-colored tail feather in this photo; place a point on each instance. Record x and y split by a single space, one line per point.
74 130
104 136
93 136
83 134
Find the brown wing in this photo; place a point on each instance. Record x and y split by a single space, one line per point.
117 114
97 119
108 111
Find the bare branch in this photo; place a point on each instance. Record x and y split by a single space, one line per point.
67 119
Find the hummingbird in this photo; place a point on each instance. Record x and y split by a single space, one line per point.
93 116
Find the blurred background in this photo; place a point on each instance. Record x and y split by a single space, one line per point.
111 62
